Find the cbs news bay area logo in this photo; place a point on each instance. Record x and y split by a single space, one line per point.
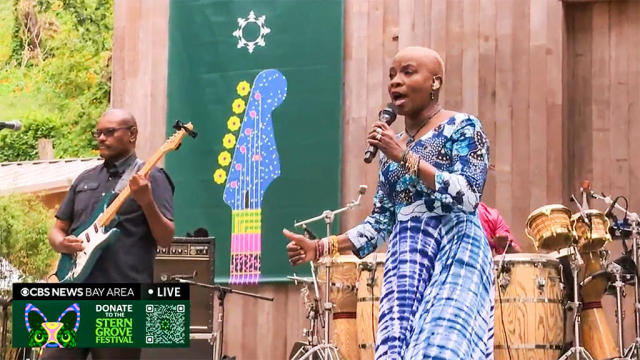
101 315
77 292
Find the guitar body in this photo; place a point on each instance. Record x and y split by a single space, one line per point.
76 268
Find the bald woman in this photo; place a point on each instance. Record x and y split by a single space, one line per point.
437 297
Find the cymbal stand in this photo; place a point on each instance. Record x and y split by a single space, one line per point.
222 292
328 216
633 351
575 307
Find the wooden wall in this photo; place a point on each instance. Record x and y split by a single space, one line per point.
555 86
603 107
140 56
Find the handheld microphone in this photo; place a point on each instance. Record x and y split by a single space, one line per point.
387 115
14 125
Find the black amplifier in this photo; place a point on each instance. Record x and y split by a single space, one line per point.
185 257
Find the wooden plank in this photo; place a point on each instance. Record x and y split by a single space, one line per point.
504 114
633 13
389 41
557 173
452 88
579 33
438 40
295 315
405 24
375 62
620 43
427 8
118 88
537 112
159 68
355 112
630 15
600 79
470 57
418 21
487 90
520 182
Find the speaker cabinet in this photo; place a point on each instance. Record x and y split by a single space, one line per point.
183 258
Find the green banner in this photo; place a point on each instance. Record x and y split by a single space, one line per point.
262 83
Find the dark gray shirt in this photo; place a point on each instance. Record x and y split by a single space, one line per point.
130 257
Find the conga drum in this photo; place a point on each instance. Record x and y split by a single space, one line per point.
596 336
344 278
593 236
529 303
369 289
549 227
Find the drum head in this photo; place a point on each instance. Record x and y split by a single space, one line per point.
547 210
588 213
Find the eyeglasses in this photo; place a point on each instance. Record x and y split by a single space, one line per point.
108 132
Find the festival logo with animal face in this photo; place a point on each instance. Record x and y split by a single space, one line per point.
60 334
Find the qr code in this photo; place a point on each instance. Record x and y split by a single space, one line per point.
166 324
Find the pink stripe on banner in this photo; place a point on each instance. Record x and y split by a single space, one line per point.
236 245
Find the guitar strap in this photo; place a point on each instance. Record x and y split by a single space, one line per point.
124 180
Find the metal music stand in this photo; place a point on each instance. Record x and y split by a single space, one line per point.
216 337
328 216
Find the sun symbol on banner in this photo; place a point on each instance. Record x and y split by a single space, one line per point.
242 42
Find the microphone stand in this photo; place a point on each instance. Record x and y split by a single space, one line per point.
328 216
222 292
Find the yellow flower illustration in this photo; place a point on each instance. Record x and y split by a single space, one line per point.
219 176
243 88
234 123
224 158
237 106
229 141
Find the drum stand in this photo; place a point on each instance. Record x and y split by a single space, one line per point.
633 351
312 350
327 349
577 352
616 271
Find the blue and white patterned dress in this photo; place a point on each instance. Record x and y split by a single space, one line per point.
437 291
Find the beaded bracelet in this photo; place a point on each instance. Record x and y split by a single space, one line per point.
335 249
322 248
412 164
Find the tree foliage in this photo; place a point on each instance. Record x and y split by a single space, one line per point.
57 76
24 226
